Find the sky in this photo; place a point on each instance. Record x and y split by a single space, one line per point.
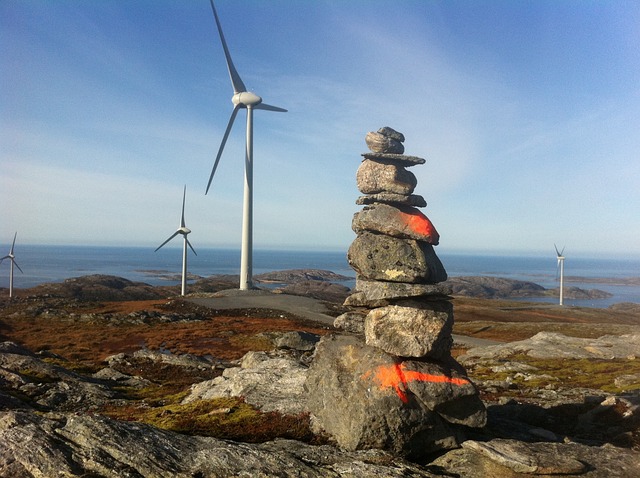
527 113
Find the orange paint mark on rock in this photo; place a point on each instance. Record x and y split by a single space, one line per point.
396 376
420 224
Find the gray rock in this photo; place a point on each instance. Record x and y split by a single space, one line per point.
377 290
352 321
380 257
547 345
85 445
49 386
302 341
379 143
482 460
393 199
357 396
359 299
403 222
546 459
627 381
445 388
391 133
398 159
413 329
375 177
270 384
121 379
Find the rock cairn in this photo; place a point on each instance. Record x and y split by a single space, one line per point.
389 380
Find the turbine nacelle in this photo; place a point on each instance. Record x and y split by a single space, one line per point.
184 231
246 99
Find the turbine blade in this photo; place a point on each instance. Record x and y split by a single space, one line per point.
263 106
562 251
236 81
184 195
557 252
194 251
172 236
16 264
14 243
3 258
224 141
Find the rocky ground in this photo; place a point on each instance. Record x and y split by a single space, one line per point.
103 377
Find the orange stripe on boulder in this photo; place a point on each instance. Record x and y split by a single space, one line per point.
396 376
420 224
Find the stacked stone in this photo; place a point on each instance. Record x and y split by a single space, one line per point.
392 383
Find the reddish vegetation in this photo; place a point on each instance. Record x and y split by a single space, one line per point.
83 340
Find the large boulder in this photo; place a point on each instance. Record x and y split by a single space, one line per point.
412 329
376 177
403 222
362 397
385 258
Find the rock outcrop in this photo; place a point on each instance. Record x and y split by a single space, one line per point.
393 385
68 438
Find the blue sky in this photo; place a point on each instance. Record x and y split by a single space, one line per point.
527 112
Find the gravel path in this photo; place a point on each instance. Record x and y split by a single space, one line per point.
306 307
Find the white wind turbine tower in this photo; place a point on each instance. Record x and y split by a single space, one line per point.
561 270
242 99
184 230
12 258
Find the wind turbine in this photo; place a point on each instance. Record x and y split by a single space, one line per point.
242 99
561 269
184 230
12 258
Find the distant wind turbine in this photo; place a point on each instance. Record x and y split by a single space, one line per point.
184 230
12 258
242 99
561 271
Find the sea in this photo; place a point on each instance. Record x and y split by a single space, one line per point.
42 263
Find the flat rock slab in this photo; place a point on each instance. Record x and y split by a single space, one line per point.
91 445
378 290
393 199
530 458
270 384
306 307
550 345
400 159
